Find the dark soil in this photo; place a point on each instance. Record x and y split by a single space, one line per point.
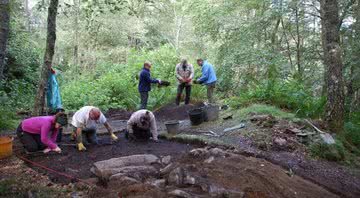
78 164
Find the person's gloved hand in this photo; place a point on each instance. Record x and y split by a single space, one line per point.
57 149
159 81
81 147
47 150
114 137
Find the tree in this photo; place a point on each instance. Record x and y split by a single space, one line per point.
49 53
334 110
4 32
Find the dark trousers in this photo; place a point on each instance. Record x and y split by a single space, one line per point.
187 93
31 142
139 133
89 134
144 99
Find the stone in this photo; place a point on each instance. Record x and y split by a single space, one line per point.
209 160
167 169
175 177
180 193
106 168
160 183
216 191
166 159
280 141
218 152
134 171
189 180
199 152
121 180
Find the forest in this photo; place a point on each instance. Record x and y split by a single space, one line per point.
300 56
287 53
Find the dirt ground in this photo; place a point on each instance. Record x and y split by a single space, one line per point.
78 164
279 176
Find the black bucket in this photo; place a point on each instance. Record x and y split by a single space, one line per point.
196 116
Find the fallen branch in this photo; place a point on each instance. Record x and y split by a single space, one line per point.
317 129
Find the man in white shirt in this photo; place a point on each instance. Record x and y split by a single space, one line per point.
142 125
85 122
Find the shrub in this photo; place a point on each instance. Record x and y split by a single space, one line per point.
331 152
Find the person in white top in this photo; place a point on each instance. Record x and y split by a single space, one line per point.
184 73
85 122
142 126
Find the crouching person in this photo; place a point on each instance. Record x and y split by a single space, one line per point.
85 122
39 133
142 126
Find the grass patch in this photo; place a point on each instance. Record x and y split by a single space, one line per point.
332 152
265 109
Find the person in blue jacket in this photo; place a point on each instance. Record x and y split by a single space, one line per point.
145 81
207 78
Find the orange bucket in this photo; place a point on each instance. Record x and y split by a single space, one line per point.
5 146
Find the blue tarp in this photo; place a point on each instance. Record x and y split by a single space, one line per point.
53 93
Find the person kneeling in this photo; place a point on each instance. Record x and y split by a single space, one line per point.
85 122
142 126
39 133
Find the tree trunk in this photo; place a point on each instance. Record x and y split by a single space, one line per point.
334 110
39 106
4 32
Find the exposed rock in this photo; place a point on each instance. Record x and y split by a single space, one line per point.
175 177
180 193
280 141
218 152
122 180
216 191
104 169
199 152
167 169
134 171
160 183
209 160
166 159
189 180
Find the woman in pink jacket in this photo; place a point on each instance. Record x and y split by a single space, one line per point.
39 133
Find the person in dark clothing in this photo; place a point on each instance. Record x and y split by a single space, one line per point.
145 81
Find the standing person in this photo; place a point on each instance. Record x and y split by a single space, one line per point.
142 126
39 133
53 92
145 81
85 123
208 78
184 73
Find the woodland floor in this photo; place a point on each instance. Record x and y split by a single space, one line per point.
261 168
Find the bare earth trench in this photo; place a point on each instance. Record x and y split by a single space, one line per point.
240 171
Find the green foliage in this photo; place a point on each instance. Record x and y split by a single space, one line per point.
289 95
266 109
115 86
352 133
332 152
